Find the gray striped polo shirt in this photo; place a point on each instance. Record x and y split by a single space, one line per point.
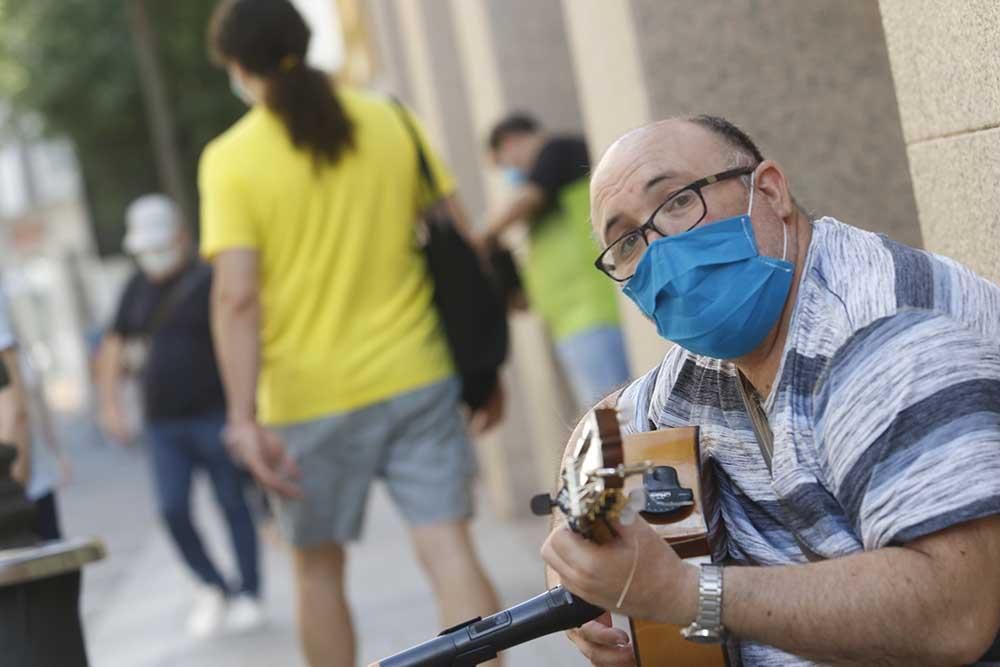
886 414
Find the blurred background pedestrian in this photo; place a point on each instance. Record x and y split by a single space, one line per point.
161 334
337 372
548 177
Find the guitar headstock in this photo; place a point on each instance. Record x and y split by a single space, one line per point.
591 492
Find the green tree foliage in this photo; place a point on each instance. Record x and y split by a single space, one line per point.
73 62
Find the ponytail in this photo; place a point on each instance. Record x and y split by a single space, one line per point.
303 97
269 38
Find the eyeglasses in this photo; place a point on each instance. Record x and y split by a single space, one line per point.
681 212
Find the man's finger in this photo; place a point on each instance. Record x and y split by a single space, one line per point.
604 619
285 462
575 552
603 635
290 468
602 655
274 481
554 559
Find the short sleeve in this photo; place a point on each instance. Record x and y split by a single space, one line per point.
122 324
907 424
559 163
227 220
7 336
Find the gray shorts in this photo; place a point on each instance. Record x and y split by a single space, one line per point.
416 442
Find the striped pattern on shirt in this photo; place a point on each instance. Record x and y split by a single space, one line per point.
886 414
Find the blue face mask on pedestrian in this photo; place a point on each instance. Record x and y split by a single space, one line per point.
710 290
513 176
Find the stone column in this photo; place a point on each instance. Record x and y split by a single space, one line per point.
613 99
502 73
455 85
810 81
946 65
391 73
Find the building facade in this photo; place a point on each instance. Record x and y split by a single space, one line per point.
877 110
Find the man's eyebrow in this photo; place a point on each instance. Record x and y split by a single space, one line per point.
665 176
611 222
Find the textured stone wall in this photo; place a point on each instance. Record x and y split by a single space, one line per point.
946 65
533 59
392 74
463 151
810 81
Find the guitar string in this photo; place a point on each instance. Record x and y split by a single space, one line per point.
631 574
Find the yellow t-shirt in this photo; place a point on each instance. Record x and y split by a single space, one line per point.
347 310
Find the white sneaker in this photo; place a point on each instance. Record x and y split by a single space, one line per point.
207 612
245 613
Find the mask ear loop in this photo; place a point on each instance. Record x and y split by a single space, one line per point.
784 245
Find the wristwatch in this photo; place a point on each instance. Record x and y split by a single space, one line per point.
707 627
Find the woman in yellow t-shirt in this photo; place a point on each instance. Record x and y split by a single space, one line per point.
335 367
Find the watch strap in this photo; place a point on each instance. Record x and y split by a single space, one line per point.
707 626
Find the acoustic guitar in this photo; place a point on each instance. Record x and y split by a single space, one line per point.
606 477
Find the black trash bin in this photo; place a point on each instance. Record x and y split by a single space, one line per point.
39 585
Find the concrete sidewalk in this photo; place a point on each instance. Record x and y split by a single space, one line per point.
135 603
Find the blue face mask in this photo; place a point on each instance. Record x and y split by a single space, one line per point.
513 176
240 91
709 290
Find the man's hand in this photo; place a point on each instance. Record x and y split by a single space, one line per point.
266 456
663 588
483 243
20 470
490 414
116 426
602 644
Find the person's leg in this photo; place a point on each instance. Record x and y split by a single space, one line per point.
337 455
173 461
430 468
594 362
228 486
449 558
326 630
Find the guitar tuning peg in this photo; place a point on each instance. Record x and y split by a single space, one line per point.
635 503
542 504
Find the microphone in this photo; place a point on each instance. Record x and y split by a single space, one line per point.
481 639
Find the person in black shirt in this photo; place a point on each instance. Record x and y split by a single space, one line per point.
162 333
548 175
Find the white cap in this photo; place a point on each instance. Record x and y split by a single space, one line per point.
151 222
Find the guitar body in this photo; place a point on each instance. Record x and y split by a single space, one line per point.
658 644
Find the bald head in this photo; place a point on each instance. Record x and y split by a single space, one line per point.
641 170
662 157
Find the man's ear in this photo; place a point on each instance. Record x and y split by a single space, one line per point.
771 182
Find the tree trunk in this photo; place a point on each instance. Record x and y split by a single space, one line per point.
158 110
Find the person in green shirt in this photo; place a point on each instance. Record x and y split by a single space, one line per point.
549 175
